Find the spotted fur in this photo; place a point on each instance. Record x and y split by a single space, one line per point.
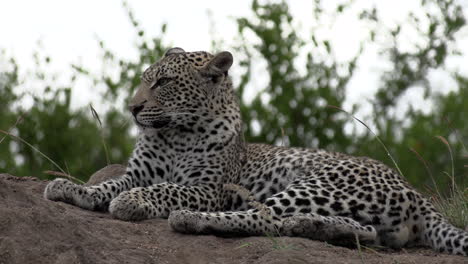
191 147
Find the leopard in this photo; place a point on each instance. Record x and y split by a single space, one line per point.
190 156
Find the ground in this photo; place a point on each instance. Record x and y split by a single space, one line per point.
35 230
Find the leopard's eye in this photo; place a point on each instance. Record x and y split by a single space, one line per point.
161 82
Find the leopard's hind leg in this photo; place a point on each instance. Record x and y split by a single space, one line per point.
242 223
287 213
335 230
332 229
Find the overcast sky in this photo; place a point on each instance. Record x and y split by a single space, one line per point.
68 30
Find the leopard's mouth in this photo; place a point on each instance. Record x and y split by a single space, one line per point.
155 124
160 123
139 123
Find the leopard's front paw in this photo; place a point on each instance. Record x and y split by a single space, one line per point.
66 191
59 190
131 206
188 222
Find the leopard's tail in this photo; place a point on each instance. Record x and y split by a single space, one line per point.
443 236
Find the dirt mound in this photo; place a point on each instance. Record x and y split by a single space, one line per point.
34 230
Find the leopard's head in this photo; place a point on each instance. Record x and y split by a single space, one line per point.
184 89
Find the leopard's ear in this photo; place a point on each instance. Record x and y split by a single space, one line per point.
218 65
173 51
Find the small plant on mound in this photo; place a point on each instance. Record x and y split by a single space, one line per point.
455 205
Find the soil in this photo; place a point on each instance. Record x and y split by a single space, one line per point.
35 230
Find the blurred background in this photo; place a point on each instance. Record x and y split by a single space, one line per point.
398 68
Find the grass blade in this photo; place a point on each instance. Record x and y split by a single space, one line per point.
441 138
457 134
423 161
244 245
96 116
375 135
34 148
20 118
60 174
358 244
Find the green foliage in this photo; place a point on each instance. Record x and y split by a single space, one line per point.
8 82
414 130
292 109
73 138
295 112
67 136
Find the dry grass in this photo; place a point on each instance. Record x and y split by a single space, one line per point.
96 116
65 175
455 205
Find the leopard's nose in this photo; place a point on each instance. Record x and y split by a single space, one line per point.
135 109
